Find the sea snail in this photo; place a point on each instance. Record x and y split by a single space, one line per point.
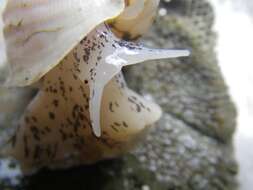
74 51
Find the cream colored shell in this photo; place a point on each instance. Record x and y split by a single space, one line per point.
136 19
39 33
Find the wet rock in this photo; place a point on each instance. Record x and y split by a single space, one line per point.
190 147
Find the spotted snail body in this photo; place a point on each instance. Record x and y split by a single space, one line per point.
74 51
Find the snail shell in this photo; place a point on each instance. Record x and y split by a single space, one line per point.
135 20
48 30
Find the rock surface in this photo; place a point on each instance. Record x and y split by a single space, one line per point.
190 148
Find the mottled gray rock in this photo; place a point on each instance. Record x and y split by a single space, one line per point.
191 89
183 158
190 147
195 133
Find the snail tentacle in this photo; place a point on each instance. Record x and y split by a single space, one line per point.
105 54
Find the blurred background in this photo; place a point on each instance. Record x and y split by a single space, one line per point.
234 25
